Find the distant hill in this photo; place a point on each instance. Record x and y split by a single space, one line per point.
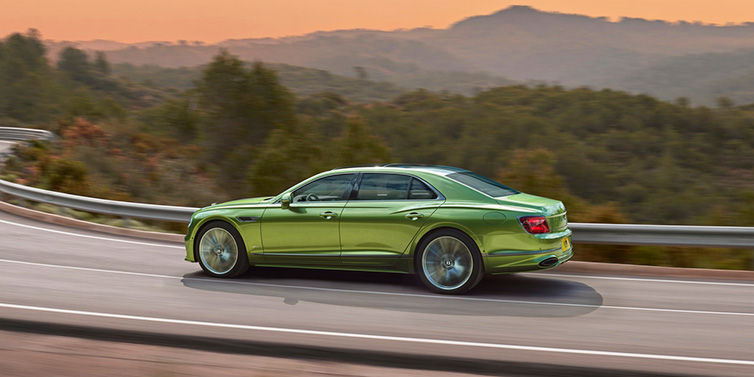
518 43
300 80
702 78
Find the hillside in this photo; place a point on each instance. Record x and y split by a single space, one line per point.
518 43
702 78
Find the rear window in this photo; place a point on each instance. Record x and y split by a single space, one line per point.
482 184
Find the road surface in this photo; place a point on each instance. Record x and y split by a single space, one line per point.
70 281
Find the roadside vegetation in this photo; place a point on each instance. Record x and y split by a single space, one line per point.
235 129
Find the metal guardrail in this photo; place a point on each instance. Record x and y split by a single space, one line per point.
105 206
24 134
613 234
663 235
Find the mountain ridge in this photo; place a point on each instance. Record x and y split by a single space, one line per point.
517 43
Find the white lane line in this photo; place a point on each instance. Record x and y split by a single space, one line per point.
92 237
90 269
414 295
651 280
383 337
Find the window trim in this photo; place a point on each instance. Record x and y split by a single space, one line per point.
349 190
357 185
515 192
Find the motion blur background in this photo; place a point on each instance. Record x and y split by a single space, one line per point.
624 118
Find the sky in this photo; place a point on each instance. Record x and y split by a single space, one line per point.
216 20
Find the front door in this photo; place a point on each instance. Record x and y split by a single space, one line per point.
307 232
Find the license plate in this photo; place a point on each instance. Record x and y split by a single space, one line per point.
566 244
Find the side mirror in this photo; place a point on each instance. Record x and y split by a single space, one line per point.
285 201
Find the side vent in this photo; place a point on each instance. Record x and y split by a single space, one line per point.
248 219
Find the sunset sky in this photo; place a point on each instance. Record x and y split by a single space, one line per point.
216 20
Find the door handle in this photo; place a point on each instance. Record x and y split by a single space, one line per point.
328 215
413 216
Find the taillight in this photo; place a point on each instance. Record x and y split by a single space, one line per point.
534 224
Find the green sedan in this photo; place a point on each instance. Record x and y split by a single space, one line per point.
449 226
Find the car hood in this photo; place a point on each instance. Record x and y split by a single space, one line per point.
247 201
547 206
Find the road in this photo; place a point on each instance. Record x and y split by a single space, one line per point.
6 146
56 277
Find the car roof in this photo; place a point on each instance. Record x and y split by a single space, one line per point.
435 169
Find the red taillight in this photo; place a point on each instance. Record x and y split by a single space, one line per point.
534 224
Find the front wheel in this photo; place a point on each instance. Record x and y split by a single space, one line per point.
221 251
449 262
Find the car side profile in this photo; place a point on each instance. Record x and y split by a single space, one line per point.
449 226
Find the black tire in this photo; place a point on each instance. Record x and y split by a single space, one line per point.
449 262
221 251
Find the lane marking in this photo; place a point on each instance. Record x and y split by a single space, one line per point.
383 337
414 295
89 269
91 237
641 279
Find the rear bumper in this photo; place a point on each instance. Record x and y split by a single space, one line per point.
508 261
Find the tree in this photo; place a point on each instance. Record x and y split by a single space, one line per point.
26 84
239 109
356 146
101 64
75 63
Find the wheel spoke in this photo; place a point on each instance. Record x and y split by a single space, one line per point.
218 251
446 263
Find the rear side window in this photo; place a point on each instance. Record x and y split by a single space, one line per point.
376 186
482 184
420 191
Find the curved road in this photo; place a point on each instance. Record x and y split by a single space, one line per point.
577 323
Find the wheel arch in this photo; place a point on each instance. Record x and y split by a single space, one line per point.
204 222
429 231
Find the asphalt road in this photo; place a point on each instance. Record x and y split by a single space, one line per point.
58 279
6 146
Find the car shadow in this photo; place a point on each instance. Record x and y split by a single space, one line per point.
504 295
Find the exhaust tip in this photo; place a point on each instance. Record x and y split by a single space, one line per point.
549 262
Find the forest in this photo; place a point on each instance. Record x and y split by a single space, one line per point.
236 130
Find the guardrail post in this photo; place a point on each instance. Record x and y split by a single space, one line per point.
126 221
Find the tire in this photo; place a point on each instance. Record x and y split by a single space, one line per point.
449 262
220 250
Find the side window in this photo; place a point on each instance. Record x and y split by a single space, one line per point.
420 191
330 188
383 187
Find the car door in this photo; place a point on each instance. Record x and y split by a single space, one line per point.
307 231
383 216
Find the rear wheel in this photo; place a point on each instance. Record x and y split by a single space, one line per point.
221 251
449 262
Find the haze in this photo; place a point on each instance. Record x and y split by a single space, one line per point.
213 21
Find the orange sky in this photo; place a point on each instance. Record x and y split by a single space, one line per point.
216 20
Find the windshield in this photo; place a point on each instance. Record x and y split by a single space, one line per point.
482 184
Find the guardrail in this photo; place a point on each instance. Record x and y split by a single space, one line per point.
104 206
613 234
663 235
24 134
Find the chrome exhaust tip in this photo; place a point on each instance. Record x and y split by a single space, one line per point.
549 262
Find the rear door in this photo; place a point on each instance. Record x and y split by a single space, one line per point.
383 216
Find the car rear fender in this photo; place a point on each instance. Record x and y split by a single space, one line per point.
428 230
